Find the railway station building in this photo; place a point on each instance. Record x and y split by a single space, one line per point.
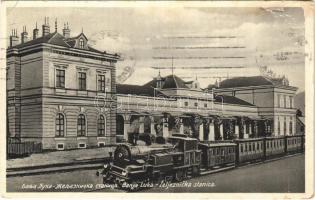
62 93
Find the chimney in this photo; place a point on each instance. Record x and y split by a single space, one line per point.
24 35
46 27
66 31
14 39
35 32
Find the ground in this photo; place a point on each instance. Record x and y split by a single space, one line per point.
284 175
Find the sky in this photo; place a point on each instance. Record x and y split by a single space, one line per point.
206 43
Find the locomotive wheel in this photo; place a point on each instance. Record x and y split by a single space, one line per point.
195 170
179 175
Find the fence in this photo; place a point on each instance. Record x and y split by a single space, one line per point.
18 149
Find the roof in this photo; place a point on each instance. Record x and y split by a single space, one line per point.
231 100
173 81
55 38
141 90
245 81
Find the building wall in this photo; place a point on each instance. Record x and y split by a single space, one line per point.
71 113
261 97
32 70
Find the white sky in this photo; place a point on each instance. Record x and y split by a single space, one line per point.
137 33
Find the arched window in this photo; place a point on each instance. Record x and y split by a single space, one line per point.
81 43
101 126
60 125
81 125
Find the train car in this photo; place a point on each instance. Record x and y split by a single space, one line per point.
249 150
275 146
217 154
294 144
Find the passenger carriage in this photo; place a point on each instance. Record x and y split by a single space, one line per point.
294 143
217 154
275 146
249 150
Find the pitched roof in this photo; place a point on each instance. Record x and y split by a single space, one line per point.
245 81
231 100
173 81
55 38
141 90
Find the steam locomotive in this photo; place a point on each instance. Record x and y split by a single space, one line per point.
181 157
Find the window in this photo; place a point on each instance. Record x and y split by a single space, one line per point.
101 83
285 101
279 128
82 81
81 43
291 102
196 104
60 125
291 126
186 103
60 146
268 127
206 105
101 144
60 78
101 126
82 145
279 97
81 125
284 126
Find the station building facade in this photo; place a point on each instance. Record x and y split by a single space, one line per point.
52 81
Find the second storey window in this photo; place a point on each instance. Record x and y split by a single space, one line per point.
101 83
60 78
82 81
